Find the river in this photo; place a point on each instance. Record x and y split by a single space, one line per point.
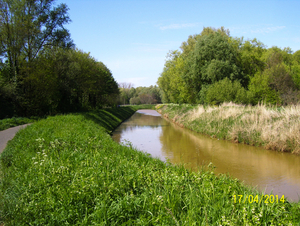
266 170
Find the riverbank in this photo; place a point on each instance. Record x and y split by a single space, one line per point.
66 169
268 127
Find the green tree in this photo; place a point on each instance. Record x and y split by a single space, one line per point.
295 69
67 80
125 91
135 100
275 84
28 26
171 81
213 59
226 91
260 91
251 61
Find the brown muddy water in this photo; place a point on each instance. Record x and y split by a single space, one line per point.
266 170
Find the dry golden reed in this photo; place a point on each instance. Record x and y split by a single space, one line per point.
276 128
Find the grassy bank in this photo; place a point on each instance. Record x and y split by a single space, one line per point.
66 170
269 127
15 121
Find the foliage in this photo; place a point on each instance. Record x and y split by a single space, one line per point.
139 95
41 72
63 81
226 91
213 59
276 83
27 27
125 92
269 75
250 57
171 82
260 92
68 170
295 69
135 100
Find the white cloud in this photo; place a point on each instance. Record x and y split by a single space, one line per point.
267 29
178 26
256 29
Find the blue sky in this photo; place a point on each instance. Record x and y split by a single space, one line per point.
132 38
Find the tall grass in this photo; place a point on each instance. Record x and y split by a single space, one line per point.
270 127
15 121
66 170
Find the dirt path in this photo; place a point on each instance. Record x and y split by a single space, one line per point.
9 134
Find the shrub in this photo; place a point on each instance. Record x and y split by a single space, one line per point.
226 91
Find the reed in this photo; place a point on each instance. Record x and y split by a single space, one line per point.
270 127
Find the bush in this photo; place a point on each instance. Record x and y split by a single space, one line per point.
226 91
260 91
135 100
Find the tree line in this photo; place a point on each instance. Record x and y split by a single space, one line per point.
41 71
213 67
139 95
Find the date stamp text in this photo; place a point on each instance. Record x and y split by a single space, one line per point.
258 199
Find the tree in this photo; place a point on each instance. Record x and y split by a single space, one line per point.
180 82
275 83
125 91
226 91
295 69
188 46
260 91
135 101
27 27
213 59
251 62
213 67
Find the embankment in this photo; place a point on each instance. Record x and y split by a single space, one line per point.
269 127
67 170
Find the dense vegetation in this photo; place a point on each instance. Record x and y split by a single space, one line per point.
269 127
139 95
41 72
11 122
67 170
212 67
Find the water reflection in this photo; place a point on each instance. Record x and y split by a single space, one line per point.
268 170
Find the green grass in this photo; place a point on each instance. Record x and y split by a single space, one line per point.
16 121
67 170
11 122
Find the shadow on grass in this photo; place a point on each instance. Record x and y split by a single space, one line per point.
110 118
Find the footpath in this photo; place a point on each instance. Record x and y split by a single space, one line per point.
9 134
